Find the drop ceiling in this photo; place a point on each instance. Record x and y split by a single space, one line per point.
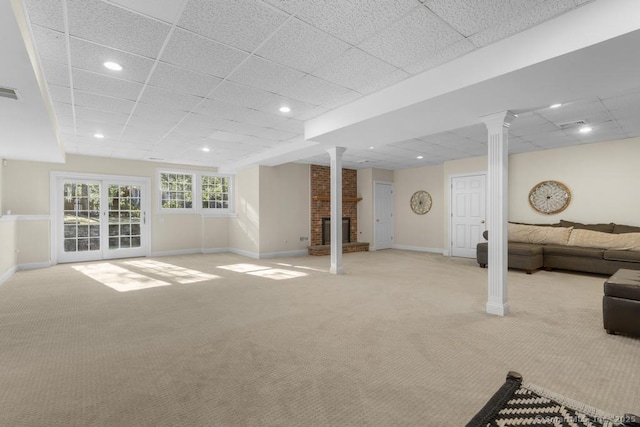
214 73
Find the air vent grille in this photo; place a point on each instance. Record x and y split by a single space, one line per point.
570 125
6 92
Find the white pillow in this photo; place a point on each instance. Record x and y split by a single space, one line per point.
537 234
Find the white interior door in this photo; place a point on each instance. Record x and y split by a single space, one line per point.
100 219
383 212
467 214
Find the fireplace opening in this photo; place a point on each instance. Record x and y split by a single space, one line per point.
326 230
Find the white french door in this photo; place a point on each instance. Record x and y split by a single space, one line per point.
467 214
100 219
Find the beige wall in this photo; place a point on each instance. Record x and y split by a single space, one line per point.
284 208
169 232
244 230
603 179
32 248
419 232
8 243
366 182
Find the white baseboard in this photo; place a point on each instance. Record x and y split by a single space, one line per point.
215 250
7 274
419 249
178 252
299 252
248 254
33 265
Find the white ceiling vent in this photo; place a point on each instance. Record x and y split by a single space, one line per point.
571 125
6 92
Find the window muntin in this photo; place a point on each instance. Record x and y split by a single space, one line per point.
215 192
176 190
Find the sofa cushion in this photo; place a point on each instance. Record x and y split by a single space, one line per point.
616 255
620 229
605 228
573 251
535 234
596 239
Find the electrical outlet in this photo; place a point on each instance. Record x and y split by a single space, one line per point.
304 239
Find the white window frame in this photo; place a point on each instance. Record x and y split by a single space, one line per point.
216 211
196 194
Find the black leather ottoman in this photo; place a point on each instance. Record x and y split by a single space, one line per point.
523 256
621 303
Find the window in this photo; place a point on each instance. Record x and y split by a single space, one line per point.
215 192
184 191
176 190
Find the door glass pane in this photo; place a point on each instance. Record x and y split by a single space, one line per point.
81 216
124 211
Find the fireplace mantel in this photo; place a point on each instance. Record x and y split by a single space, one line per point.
344 199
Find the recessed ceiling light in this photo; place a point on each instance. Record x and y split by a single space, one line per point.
420 157
285 109
555 106
98 135
585 129
370 148
113 66
206 149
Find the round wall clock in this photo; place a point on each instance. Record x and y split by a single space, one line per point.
420 202
549 197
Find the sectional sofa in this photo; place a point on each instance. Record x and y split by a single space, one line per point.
567 245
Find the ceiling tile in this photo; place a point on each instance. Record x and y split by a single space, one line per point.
242 24
60 93
55 73
353 21
623 101
472 17
104 85
383 82
279 135
156 96
354 69
100 116
243 96
449 53
51 45
311 113
263 74
176 79
293 125
115 27
301 46
188 50
289 6
91 57
261 119
168 115
315 91
343 99
276 101
413 37
104 103
528 18
218 109
165 10
47 13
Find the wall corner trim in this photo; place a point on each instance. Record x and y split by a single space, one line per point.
7 274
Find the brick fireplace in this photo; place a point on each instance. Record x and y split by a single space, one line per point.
321 208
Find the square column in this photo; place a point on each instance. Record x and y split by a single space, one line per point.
336 209
498 210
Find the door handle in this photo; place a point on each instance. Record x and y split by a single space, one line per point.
482 221
377 220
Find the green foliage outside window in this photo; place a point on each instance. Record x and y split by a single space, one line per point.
215 192
177 190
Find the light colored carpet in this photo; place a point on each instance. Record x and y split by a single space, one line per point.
400 339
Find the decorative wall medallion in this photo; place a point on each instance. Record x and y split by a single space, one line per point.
549 197
420 202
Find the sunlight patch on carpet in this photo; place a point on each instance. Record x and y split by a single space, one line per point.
118 278
243 268
277 274
173 272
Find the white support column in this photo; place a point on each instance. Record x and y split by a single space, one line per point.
498 210
336 209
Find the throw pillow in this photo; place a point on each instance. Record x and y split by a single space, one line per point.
597 239
535 234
